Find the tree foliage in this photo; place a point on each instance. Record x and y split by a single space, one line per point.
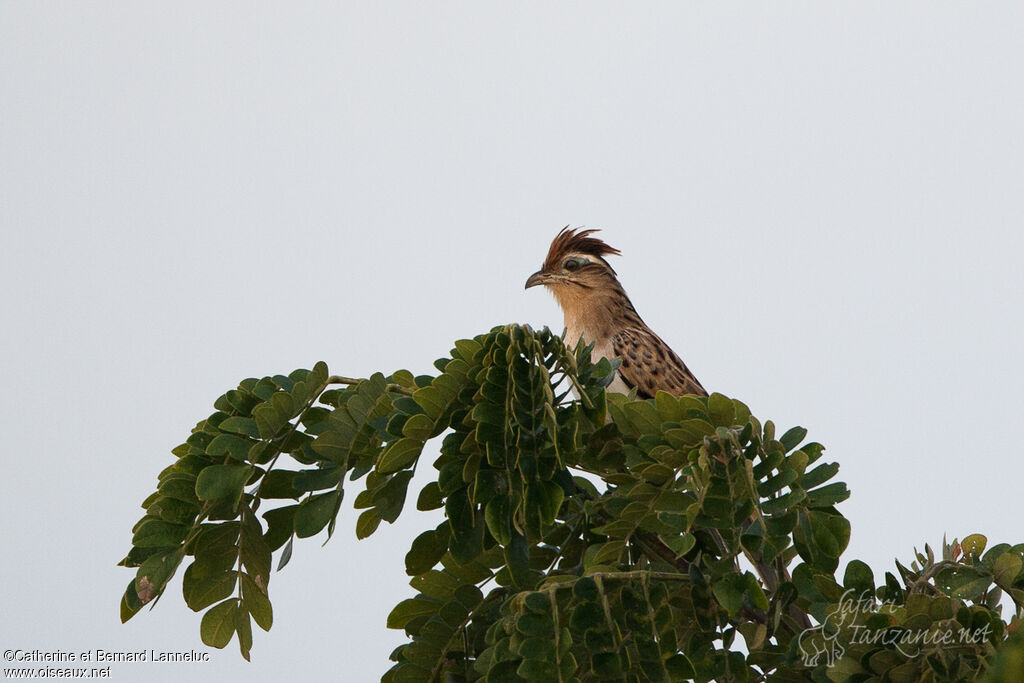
587 536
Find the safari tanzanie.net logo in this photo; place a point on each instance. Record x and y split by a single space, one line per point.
849 623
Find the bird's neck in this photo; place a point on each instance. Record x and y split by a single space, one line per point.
595 314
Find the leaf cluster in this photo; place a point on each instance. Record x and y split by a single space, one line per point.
587 536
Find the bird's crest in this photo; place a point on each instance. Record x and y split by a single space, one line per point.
574 241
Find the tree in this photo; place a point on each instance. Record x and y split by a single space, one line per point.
587 536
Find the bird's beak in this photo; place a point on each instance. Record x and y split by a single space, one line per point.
538 278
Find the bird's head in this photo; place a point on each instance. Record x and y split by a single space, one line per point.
575 265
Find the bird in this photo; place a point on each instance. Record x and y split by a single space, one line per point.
598 311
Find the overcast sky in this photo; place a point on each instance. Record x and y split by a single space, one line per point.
818 205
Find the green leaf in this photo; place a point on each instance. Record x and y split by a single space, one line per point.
974 544
155 533
792 438
367 523
228 444
280 525
255 553
286 554
269 418
418 427
218 624
679 667
668 407
314 513
222 481
326 477
498 515
517 559
257 603
753 589
430 497
200 594
729 592
1006 569
644 417
689 433
859 577
784 502
467 348
467 527
240 425
172 510
130 603
390 497
217 538
964 582
430 399
409 609
820 537
399 455
180 487
537 669
489 483
279 484
244 629
609 552
489 413
827 496
538 603
721 409
551 496
427 550
681 544
819 475
155 572
334 444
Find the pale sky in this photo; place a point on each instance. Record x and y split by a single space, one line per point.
818 205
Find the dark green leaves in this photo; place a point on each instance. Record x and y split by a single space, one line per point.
201 507
611 536
821 537
385 496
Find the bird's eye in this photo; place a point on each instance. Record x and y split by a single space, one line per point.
572 264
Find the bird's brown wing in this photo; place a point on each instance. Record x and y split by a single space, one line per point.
651 366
